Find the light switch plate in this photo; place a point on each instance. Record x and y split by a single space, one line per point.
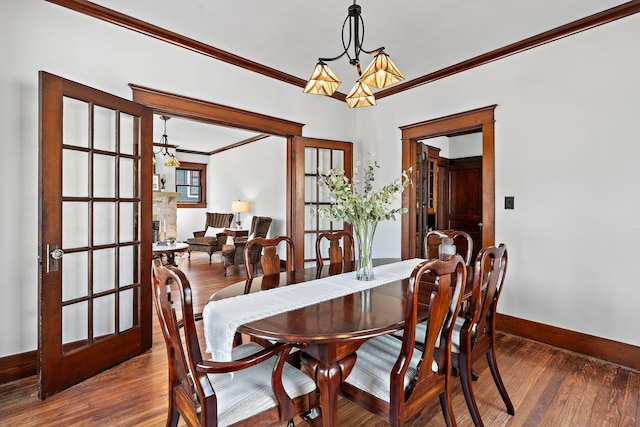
509 202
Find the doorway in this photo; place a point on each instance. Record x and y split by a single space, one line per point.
478 120
207 112
454 187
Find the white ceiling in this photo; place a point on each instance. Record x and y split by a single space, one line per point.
421 36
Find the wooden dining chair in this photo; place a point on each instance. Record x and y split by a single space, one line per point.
248 391
270 260
462 240
474 333
341 258
391 377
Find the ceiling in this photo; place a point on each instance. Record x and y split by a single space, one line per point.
421 36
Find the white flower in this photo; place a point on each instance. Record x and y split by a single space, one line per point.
362 204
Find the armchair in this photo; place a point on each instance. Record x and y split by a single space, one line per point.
233 254
210 244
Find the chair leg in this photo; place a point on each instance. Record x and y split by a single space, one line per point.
210 253
464 362
189 253
493 366
174 416
447 408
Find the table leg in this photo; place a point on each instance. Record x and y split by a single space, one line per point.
328 377
171 259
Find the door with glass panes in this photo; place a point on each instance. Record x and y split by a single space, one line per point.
311 154
94 232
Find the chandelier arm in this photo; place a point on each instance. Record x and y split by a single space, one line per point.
355 39
346 48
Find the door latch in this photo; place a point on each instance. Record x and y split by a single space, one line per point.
55 253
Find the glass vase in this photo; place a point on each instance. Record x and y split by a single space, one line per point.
364 232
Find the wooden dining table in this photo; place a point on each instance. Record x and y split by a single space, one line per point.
328 333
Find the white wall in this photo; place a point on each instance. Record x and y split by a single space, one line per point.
254 172
39 35
566 148
567 132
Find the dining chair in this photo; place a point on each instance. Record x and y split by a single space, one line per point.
391 377
474 332
257 388
341 258
269 260
462 241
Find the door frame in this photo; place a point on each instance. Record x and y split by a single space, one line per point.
172 104
477 120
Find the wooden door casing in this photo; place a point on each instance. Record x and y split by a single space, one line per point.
478 120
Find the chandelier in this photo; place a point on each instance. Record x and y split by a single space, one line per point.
380 73
172 161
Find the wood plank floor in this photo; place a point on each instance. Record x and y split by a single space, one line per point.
548 386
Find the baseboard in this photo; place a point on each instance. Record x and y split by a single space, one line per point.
612 351
22 365
18 366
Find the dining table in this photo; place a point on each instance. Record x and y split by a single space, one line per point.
328 332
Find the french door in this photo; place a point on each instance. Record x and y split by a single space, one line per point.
94 232
309 155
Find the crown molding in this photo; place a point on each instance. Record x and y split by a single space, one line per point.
109 15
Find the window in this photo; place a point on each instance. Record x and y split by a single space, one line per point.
191 183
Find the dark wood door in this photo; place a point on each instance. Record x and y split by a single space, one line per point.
465 198
309 154
94 232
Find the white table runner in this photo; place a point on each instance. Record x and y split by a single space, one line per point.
223 317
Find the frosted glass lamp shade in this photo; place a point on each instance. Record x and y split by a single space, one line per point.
322 81
360 96
172 162
381 72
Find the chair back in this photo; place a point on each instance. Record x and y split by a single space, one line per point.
197 400
462 241
439 284
392 377
341 258
488 278
270 260
218 220
260 226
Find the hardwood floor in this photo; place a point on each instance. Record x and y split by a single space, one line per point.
548 386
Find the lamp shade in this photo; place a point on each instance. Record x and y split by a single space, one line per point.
381 72
360 96
322 81
240 206
172 161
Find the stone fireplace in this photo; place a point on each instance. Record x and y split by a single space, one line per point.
165 212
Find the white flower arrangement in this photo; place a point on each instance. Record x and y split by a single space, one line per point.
356 202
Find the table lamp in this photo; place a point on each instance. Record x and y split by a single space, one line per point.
239 206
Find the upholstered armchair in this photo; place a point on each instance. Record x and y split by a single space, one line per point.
233 254
213 236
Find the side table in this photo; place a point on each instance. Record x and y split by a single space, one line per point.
235 233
